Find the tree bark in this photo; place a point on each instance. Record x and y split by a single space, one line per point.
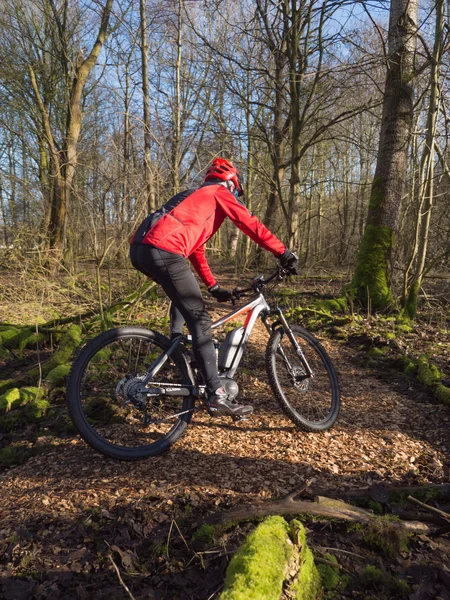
427 169
176 116
148 179
65 161
371 283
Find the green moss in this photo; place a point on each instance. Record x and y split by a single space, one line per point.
205 533
373 577
329 575
371 278
427 373
26 404
307 586
70 341
8 399
57 375
36 409
7 384
380 534
442 393
27 394
410 367
257 569
14 455
102 355
378 579
8 334
377 352
99 409
375 507
410 307
21 339
332 304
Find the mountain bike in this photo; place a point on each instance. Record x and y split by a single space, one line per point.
132 392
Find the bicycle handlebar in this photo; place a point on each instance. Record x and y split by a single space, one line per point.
259 283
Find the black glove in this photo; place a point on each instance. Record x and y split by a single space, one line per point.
220 294
288 260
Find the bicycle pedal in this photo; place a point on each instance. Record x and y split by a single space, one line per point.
239 417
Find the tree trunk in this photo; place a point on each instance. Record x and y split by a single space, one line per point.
371 283
65 161
148 180
176 117
427 170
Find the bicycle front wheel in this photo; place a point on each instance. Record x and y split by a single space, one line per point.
105 405
311 402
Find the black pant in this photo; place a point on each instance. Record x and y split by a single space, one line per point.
173 273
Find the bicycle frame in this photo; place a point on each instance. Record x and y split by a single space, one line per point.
253 310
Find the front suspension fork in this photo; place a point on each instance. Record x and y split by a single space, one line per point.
281 320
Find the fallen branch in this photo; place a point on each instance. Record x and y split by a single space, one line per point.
380 492
441 513
289 506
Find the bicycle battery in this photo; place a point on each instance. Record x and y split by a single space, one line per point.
229 348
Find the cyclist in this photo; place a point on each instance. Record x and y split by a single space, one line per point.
179 231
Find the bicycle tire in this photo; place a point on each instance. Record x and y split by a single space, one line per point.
313 404
96 375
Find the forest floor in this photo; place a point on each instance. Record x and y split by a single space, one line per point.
69 517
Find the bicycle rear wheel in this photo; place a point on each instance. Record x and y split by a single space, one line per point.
105 406
312 403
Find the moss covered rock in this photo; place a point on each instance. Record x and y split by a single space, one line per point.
257 570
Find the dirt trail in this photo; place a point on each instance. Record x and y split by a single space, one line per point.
381 434
61 506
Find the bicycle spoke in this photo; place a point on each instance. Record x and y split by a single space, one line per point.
310 400
116 411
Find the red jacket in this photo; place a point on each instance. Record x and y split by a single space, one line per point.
194 217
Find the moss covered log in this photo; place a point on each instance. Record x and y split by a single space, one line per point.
427 374
257 570
260 567
307 585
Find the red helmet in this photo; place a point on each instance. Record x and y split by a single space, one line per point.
221 168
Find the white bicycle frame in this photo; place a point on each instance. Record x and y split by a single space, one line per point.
253 309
